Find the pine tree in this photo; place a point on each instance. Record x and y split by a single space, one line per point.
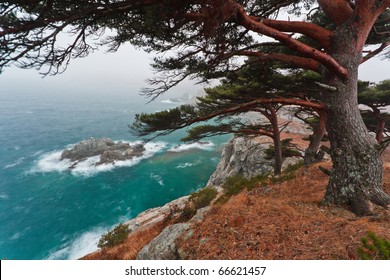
203 39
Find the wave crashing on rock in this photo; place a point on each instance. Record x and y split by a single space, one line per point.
108 150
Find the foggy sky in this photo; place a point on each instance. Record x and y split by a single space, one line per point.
122 73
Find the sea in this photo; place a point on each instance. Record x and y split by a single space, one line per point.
48 211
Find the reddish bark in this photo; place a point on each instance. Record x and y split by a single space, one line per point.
338 11
301 62
312 151
305 50
321 35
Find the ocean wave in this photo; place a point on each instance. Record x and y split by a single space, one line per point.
197 145
157 178
188 164
50 162
17 162
84 244
16 236
4 196
37 153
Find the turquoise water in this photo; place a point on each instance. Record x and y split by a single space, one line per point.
49 212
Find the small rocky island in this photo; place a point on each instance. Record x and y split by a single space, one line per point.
108 150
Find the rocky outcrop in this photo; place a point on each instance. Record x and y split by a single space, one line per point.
158 214
245 156
164 247
108 150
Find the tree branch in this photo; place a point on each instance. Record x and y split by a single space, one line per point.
262 101
373 53
325 59
367 13
338 11
297 61
327 87
320 34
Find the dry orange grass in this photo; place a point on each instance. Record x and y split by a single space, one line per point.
284 221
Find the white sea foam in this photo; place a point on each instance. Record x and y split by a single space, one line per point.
184 165
16 235
84 244
4 196
37 153
157 178
196 145
188 164
17 162
50 162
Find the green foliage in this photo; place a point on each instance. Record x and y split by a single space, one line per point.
288 150
222 199
186 214
238 93
197 200
374 248
203 197
199 132
114 237
293 167
165 121
374 94
235 184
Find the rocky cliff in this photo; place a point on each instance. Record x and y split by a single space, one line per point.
245 156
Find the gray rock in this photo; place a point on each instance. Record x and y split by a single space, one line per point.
163 247
243 156
155 215
112 156
108 150
246 157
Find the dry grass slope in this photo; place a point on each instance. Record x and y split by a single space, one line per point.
277 221
284 221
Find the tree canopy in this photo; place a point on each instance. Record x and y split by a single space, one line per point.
198 38
257 88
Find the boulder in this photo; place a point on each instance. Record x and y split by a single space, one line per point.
163 247
243 156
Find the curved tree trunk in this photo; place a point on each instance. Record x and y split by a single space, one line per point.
380 130
356 179
312 151
380 124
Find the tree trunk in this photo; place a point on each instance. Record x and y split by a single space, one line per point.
380 124
312 154
356 179
277 142
380 130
